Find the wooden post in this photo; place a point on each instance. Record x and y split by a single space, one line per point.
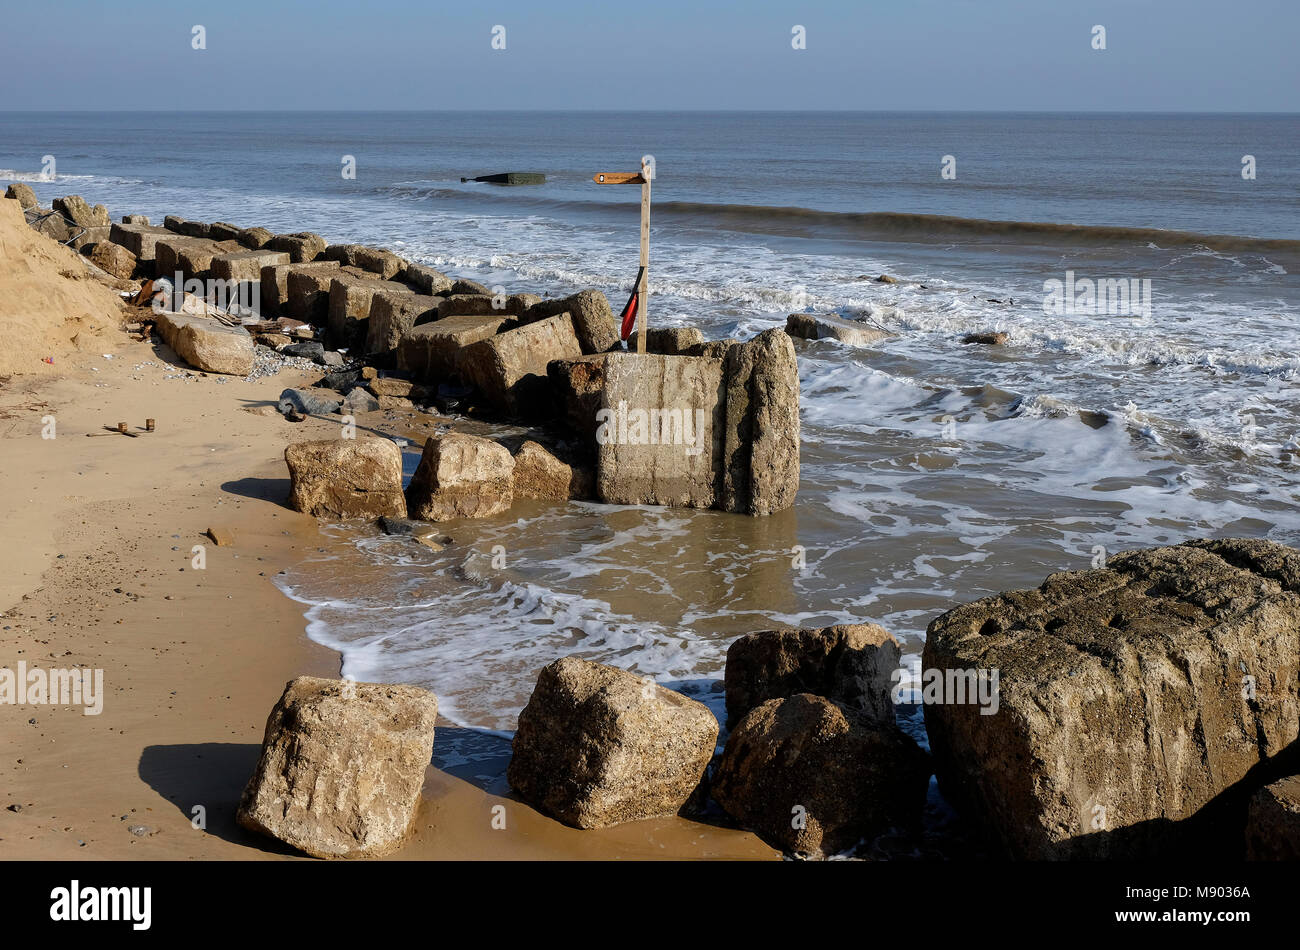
641 178
643 310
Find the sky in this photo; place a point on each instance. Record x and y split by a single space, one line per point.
876 55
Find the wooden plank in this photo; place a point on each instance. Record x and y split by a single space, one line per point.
618 178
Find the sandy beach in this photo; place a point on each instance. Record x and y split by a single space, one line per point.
98 573
193 660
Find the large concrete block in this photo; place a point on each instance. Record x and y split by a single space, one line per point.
393 315
349 307
659 431
431 351
509 369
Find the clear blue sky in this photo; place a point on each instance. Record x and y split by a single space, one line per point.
1174 55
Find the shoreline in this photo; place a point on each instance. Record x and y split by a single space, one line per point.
190 680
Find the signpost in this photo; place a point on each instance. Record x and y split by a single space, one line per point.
642 291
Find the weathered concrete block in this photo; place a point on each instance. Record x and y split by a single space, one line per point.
598 746
593 321
206 344
393 315
479 305
114 259
509 369
812 326
139 239
846 777
431 351
255 238
346 478
659 431
302 247
852 664
349 307
427 280
539 474
1132 701
308 289
378 261
761 444
1273 822
342 766
461 476
670 341
194 259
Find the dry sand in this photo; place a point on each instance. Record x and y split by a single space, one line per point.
95 571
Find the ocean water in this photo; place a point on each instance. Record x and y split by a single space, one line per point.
933 472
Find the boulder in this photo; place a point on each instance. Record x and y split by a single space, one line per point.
431 351
814 778
139 239
461 476
593 321
812 326
302 247
396 386
509 369
670 341
760 462
87 225
255 238
539 474
349 307
659 431
1273 822
311 402
342 766
997 338
1132 701
393 315
598 746
346 478
113 258
52 224
23 194
358 401
308 291
427 280
851 664
207 345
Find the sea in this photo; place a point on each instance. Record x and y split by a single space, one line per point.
1162 408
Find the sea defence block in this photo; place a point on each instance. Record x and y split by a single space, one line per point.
349 307
245 266
346 478
1137 706
431 351
206 344
812 326
393 315
597 746
139 239
308 291
461 476
746 462
659 431
509 369
342 766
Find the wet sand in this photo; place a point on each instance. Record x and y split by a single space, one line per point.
96 571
